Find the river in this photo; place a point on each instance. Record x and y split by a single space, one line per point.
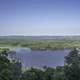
36 58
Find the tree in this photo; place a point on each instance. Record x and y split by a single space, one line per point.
59 73
4 66
16 71
9 70
72 66
33 74
49 73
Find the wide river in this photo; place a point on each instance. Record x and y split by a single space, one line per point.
31 58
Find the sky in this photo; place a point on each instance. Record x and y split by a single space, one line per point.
39 17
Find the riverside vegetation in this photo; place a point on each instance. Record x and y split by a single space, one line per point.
52 44
12 69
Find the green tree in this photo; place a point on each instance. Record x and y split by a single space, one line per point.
4 66
49 73
9 70
72 66
16 72
59 73
33 74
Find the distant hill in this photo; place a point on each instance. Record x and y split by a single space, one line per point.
42 37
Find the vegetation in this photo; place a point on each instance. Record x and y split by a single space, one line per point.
51 44
72 66
12 69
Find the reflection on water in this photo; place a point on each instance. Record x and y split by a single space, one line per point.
38 58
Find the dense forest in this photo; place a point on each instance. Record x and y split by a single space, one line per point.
12 69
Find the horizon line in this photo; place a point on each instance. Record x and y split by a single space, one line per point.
45 35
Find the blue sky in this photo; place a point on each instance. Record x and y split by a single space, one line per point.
39 17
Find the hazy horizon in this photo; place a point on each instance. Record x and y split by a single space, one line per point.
39 17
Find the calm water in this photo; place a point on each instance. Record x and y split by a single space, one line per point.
39 59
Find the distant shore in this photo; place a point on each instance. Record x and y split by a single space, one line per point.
35 49
40 44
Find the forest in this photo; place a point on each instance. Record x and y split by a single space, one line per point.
12 69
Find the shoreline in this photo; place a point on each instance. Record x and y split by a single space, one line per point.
36 49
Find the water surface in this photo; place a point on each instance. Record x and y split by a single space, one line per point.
39 58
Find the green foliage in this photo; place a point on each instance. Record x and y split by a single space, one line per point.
9 70
16 72
40 44
49 74
72 66
59 74
33 74
4 66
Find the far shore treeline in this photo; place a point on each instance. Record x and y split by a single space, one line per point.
40 42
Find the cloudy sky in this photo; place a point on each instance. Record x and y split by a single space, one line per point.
39 17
